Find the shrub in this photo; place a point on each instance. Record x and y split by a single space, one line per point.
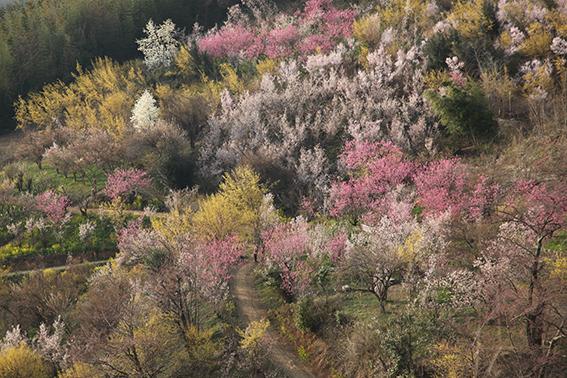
313 314
463 110
307 318
22 362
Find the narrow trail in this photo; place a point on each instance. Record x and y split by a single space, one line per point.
250 308
59 268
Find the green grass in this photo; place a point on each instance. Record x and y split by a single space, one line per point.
48 178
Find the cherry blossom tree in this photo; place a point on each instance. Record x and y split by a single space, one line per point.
126 181
534 212
53 205
447 185
286 247
374 169
320 27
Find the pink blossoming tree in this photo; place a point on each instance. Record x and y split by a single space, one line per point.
448 186
319 28
286 247
126 181
53 205
374 170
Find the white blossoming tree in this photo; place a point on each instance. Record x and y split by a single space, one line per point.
145 113
159 45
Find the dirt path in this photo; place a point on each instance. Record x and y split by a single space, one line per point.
54 268
250 308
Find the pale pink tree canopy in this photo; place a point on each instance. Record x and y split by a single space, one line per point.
53 205
319 28
125 181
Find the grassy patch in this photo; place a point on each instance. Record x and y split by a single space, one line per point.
37 180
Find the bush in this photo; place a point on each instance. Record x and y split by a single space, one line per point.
312 314
463 110
22 362
307 316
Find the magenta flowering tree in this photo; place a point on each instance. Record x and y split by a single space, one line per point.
539 206
231 41
448 186
53 205
534 212
126 181
319 28
374 170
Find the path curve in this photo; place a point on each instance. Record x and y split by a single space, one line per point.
250 308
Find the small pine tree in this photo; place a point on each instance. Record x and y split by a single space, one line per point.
145 113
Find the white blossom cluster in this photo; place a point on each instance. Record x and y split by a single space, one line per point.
315 103
86 230
50 345
559 46
159 46
145 113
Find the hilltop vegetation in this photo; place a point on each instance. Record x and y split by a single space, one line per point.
395 172
44 40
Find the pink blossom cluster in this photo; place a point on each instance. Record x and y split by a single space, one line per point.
286 245
447 186
318 28
336 246
542 207
125 181
208 264
375 169
53 205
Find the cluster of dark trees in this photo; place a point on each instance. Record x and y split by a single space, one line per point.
43 40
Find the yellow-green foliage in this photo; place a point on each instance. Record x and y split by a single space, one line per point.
175 223
203 347
153 337
411 14
184 64
450 361
409 250
469 18
266 65
22 362
253 334
235 209
559 268
558 22
102 97
367 29
540 78
538 41
230 79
